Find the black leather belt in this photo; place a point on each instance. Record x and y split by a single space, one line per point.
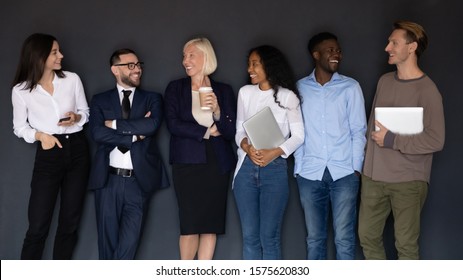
121 172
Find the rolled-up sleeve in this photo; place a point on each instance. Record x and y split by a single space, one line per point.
296 126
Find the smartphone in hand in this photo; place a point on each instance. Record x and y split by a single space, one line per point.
64 119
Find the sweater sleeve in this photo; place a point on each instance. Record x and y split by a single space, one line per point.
433 136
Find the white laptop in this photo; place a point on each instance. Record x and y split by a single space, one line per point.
400 120
263 130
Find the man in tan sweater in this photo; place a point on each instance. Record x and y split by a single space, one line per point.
397 167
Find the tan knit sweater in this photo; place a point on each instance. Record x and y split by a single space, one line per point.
410 156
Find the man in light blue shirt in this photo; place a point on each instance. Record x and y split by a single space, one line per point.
328 164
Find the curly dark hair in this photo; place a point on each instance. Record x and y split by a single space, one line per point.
277 70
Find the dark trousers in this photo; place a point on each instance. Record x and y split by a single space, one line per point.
61 171
121 208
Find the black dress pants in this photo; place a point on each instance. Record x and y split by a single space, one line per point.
62 171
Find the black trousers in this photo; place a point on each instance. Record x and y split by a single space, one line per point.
62 171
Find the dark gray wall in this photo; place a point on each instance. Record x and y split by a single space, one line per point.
88 32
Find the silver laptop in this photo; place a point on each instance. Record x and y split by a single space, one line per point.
400 120
263 130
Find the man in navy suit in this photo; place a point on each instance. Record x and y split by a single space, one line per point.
127 166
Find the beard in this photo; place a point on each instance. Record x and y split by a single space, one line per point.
126 80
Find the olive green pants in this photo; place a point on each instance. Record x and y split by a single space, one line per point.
376 202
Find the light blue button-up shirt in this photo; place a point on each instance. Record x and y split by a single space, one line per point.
335 126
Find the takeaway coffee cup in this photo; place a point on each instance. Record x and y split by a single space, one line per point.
204 93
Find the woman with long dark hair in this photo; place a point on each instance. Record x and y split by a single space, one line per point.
261 181
50 108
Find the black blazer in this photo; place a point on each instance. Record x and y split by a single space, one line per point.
186 140
147 163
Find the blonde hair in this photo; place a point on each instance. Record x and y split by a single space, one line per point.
204 45
414 33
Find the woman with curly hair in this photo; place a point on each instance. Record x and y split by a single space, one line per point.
261 186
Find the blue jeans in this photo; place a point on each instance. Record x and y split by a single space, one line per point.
261 195
316 197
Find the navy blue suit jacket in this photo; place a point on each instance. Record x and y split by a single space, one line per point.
186 140
146 160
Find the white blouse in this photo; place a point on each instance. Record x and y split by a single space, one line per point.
251 99
37 110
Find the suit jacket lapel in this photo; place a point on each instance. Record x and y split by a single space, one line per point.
186 96
116 104
137 104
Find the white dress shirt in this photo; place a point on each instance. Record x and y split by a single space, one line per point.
39 111
117 158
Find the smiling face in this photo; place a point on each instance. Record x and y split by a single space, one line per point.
327 56
400 51
124 76
257 72
193 61
53 61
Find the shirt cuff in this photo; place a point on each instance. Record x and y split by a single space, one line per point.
216 117
29 136
389 139
207 135
285 152
83 120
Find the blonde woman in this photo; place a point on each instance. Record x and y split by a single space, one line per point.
200 150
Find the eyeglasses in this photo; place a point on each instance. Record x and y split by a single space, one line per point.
131 65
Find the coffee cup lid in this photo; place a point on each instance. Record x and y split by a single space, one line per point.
205 89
